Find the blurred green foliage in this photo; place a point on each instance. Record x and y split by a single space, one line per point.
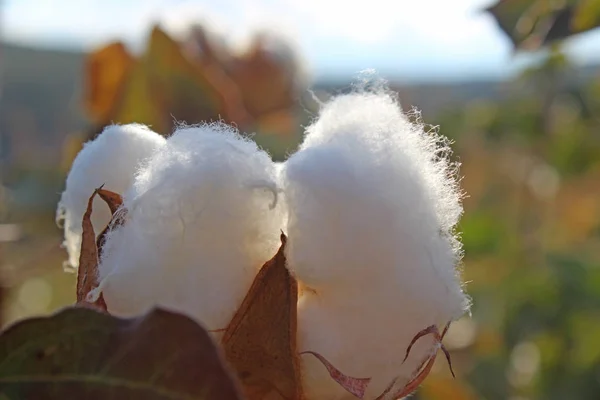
530 24
531 232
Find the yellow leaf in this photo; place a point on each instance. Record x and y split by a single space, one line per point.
139 102
587 15
264 80
107 70
189 91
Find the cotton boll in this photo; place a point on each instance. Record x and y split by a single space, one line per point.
372 204
112 160
203 218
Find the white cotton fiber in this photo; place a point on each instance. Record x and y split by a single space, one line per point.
112 160
203 218
372 204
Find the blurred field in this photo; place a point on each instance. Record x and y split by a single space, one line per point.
530 153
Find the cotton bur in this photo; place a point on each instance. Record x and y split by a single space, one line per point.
112 160
372 202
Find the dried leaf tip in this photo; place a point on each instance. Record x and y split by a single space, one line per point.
433 330
424 368
356 386
112 199
260 340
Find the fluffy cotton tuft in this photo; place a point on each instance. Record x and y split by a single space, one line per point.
112 160
203 217
372 203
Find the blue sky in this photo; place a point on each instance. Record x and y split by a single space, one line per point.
405 39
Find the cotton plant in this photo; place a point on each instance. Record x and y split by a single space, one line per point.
368 206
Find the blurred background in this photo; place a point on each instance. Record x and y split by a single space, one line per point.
515 84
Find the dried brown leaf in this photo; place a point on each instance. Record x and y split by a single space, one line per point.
355 386
112 199
260 340
87 275
424 368
412 385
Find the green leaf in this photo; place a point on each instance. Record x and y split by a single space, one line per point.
587 15
507 14
80 353
531 24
